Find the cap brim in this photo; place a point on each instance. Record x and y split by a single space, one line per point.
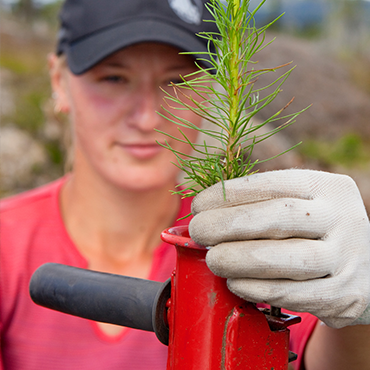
85 53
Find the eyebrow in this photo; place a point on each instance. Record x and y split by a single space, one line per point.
181 66
116 64
121 64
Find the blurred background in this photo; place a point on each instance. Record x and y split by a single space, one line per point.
328 41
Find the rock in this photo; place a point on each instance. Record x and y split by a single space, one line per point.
6 97
339 106
21 159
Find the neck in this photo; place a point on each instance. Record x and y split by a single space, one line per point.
113 228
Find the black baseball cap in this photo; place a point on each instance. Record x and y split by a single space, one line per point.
91 30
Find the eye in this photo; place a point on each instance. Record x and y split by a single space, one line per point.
176 80
116 79
167 82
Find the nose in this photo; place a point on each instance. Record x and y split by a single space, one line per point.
146 102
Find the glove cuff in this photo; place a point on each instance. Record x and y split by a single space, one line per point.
364 319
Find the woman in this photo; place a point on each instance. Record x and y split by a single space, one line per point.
108 213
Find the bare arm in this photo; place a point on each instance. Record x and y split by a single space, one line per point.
338 349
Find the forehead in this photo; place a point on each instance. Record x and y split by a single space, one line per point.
151 54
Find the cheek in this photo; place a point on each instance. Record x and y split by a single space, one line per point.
89 107
93 117
91 111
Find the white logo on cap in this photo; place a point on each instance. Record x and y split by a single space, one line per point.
189 11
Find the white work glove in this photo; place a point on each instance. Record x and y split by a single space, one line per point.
296 239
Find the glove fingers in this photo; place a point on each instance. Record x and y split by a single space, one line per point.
274 219
288 294
272 259
302 296
256 188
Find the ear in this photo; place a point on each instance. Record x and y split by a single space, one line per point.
58 78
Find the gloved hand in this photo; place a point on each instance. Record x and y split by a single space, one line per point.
296 239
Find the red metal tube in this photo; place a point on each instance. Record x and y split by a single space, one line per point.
211 328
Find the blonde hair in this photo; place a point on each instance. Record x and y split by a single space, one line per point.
55 116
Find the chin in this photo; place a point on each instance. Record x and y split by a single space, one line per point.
145 182
144 187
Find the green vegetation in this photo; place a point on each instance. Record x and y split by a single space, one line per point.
231 108
30 115
348 151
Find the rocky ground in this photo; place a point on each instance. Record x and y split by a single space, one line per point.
335 131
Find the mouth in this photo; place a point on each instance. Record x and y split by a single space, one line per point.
142 150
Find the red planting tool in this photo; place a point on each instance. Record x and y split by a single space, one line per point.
205 326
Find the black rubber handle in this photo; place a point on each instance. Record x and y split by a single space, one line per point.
98 296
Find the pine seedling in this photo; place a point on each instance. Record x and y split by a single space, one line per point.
226 96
